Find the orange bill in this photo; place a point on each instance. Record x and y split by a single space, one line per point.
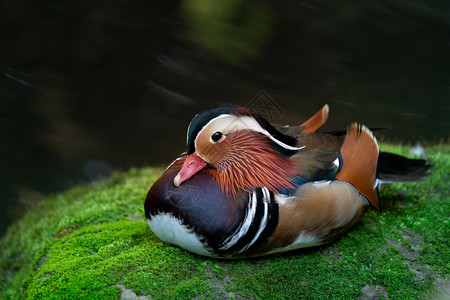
191 166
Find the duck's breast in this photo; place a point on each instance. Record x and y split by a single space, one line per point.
199 217
196 215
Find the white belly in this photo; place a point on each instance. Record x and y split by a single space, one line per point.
170 230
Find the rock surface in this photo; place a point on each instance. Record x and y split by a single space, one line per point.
93 242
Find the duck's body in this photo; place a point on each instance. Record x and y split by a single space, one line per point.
245 189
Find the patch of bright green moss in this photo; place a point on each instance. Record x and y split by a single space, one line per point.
92 261
90 240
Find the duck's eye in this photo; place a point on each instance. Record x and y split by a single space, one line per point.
216 136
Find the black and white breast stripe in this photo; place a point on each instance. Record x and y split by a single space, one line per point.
257 225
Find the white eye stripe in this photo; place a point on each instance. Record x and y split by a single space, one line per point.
230 123
280 143
254 125
207 124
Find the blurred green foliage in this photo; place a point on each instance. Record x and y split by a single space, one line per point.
234 31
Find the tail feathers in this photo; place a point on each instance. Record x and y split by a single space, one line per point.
360 154
315 122
396 168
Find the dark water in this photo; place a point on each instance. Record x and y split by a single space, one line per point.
87 88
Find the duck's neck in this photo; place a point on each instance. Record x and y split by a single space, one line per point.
255 163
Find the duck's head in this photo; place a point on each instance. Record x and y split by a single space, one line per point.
240 149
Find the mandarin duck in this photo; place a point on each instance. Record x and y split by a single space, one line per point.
245 188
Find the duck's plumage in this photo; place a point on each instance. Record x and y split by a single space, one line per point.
245 188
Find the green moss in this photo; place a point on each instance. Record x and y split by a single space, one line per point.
96 258
92 241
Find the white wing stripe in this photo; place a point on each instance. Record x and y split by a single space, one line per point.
242 230
262 225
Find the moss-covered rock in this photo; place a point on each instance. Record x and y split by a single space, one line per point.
93 242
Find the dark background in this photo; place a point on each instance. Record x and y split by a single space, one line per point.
90 87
